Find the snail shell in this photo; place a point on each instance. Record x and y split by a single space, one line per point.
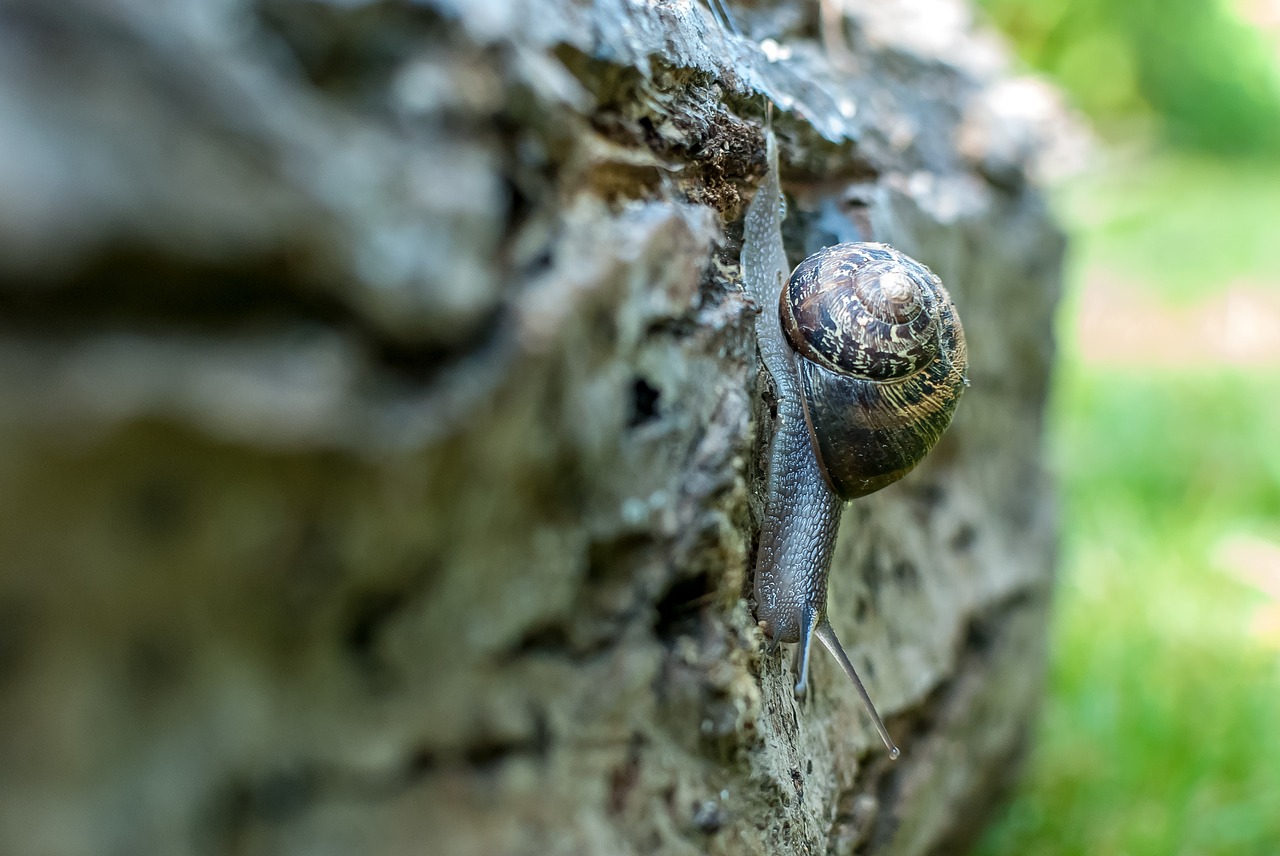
882 365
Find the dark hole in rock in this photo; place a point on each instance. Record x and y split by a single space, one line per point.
978 636
644 403
964 538
679 609
368 614
906 573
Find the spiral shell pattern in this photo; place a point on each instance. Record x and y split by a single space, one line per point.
884 361
864 310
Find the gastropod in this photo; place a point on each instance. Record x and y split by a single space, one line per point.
868 360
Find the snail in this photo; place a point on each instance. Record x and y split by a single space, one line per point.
868 360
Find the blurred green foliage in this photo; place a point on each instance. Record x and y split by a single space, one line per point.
1158 733
1157 737
1207 79
1179 226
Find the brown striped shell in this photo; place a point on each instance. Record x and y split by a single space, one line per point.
882 365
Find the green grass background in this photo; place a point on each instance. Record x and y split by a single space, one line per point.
1161 728
1160 734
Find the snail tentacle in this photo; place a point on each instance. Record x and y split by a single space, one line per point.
827 635
808 619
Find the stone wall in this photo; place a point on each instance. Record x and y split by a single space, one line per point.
378 470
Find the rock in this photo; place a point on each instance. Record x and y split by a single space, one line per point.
378 457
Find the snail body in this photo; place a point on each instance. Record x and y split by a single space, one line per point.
868 360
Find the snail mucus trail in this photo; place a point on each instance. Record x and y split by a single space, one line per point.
868 360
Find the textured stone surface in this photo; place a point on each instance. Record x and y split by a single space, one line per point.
377 449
